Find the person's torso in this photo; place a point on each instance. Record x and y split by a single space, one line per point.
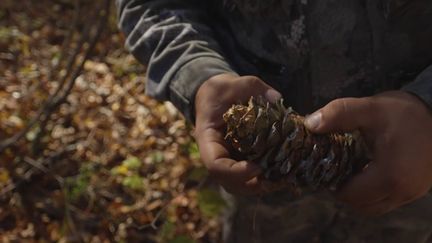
314 51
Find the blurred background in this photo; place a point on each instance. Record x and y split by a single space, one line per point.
85 156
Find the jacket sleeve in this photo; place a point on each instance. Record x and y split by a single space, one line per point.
174 40
422 86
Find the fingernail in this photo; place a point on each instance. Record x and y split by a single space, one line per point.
272 95
313 121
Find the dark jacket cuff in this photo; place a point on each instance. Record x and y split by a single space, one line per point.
189 78
422 86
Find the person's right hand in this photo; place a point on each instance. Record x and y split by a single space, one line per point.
213 99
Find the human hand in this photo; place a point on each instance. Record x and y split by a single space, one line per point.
397 127
213 99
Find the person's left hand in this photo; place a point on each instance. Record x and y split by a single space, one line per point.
397 127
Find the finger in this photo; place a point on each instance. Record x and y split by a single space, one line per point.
341 115
365 188
259 87
216 157
209 110
394 201
233 171
235 177
378 209
249 188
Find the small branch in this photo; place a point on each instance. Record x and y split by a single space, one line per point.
68 66
152 224
34 170
102 21
69 37
35 164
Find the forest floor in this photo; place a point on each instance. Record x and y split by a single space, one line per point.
109 164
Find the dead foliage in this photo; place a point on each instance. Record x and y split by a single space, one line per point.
85 155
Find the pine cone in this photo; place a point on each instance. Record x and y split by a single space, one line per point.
291 157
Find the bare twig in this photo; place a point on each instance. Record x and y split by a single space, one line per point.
68 217
35 164
64 49
152 224
68 40
68 67
48 160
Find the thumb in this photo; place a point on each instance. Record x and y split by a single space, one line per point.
257 87
272 95
341 115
